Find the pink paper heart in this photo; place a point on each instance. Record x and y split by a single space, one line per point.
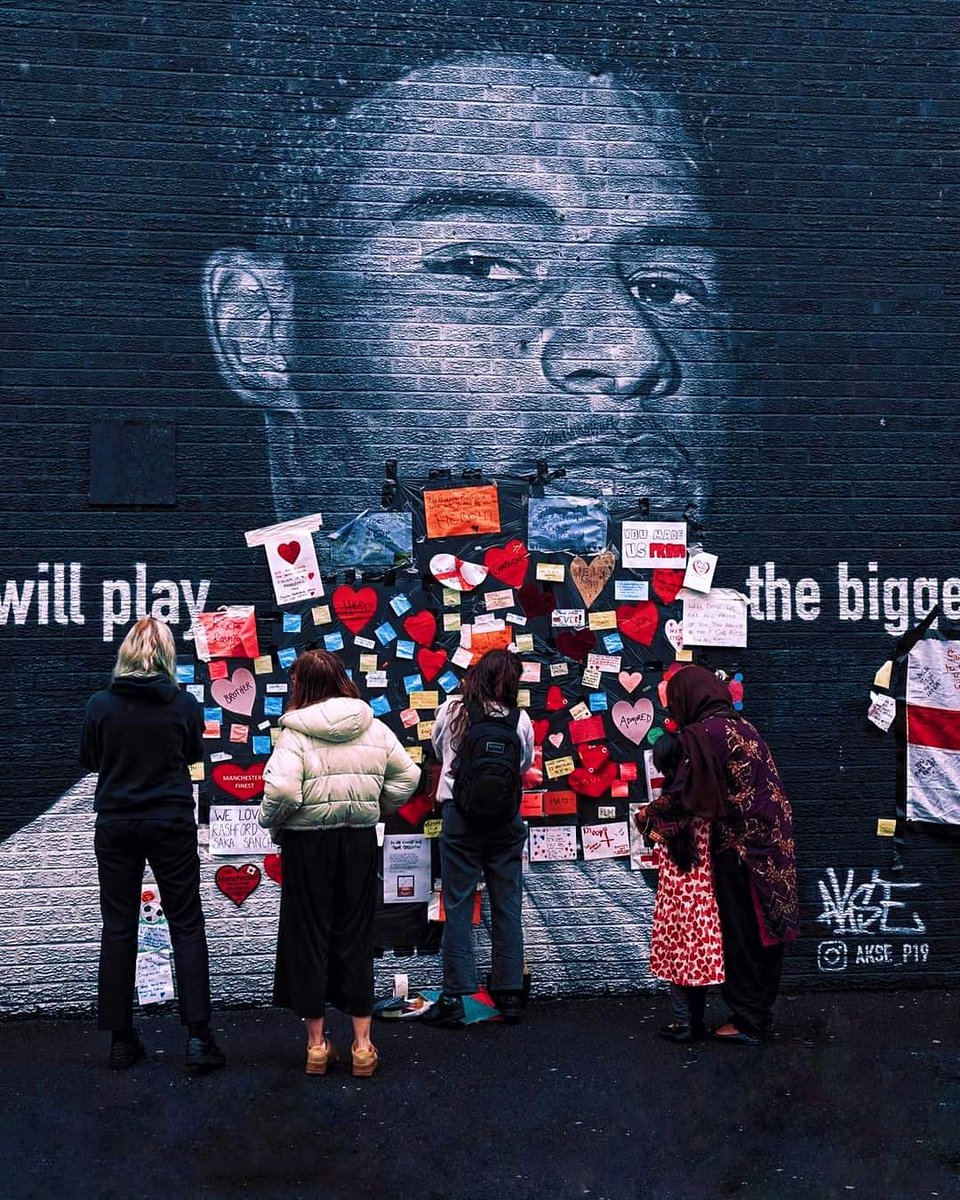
633 720
555 739
237 692
630 680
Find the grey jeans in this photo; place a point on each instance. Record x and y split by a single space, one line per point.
467 854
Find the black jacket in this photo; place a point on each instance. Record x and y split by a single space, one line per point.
140 735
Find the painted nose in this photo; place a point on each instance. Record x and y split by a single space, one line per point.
602 344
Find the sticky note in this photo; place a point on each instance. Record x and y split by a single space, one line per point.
531 804
380 705
431 828
415 753
333 641
451 622
264 664
239 733
556 768
557 804
291 622
400 604
886 827
261 745
523 697
212 713
321 614
419 699
579 712
405 648
597 702
451 598
385 633
211 729
613 643
882 677
287 657
273 706
368 663
551 572
591 678
497 600
524 643
425 731
196 691
603 620
449 681
196 772
185 672
410 717
217 669
412 683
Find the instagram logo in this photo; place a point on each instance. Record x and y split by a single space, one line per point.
832 956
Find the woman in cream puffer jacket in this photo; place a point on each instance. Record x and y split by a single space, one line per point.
334 771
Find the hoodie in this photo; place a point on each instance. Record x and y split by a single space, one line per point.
335 766
140 735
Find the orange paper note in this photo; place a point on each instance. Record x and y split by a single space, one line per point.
461 512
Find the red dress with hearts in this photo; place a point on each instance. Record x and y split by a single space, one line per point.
686 946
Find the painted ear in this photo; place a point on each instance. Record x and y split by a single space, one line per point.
248 305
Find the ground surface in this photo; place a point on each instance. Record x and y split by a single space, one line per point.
855 1096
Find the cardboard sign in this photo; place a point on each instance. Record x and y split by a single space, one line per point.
654 544
461 512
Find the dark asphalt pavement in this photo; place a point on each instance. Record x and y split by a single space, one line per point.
855 1096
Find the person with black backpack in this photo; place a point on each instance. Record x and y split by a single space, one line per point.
485 744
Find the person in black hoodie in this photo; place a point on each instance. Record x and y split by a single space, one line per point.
140 735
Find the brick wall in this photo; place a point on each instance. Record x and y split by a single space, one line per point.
806 370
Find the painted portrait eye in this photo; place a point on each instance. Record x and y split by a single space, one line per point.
470 266
667 291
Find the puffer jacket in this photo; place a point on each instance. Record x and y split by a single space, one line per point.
334 766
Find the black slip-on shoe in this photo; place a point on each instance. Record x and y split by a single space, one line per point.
510 1005
126 1052
204 1055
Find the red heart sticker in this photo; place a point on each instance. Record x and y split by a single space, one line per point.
243 783
540 731
593 783
237 883
431 663
421 627
576 643
535 602
273 865
508 563
666 583
638 621
555 700
594 756
289 551
354 606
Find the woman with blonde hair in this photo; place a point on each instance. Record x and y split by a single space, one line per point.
140 735
334 771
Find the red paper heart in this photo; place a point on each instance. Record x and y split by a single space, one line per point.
638 621
237 883
576 643
535 602
540 731
593 783
431 663
421 627
273 865
508 563
243 783
555 700
666 583
594 755
354 606
289 551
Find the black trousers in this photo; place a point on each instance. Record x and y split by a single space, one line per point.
327 904
170 847
752 970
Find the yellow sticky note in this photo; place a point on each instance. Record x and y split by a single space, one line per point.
602 620
882 677
432 827
558 767
275 735
451 622
886 827
368 663
550 572
523 698
524 643
321 614
415 752
424 699
263 665
425 730
196 772
451 598
684 655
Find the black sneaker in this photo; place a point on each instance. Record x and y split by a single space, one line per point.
510 1005
126 1052
204 1055
445 1013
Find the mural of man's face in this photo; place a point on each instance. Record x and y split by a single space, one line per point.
516 265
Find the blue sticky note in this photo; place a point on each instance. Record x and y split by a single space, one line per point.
213 714
400 604
333 641
261 745
272 706
291 622
385 633
185 673
449 681
613 643
405 649
413 683
287 657
597 701
380 705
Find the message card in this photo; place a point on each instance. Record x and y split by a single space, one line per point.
653 544
461 512
553 843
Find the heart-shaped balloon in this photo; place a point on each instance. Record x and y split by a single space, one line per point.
667 582
555 700
354 607
540 730
576 643
673 632
535 602
236 692
593 755
633 720
508 563
630 680
421 627
237 883
590 578
273 865
431 663
456 573
638 621
289 551
243 783
593 783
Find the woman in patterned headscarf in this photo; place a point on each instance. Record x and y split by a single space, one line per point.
728 776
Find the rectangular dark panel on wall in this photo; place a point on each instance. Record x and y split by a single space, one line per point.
133 463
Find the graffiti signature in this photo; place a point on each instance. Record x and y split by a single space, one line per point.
865 908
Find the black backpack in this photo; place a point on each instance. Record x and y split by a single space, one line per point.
487 786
